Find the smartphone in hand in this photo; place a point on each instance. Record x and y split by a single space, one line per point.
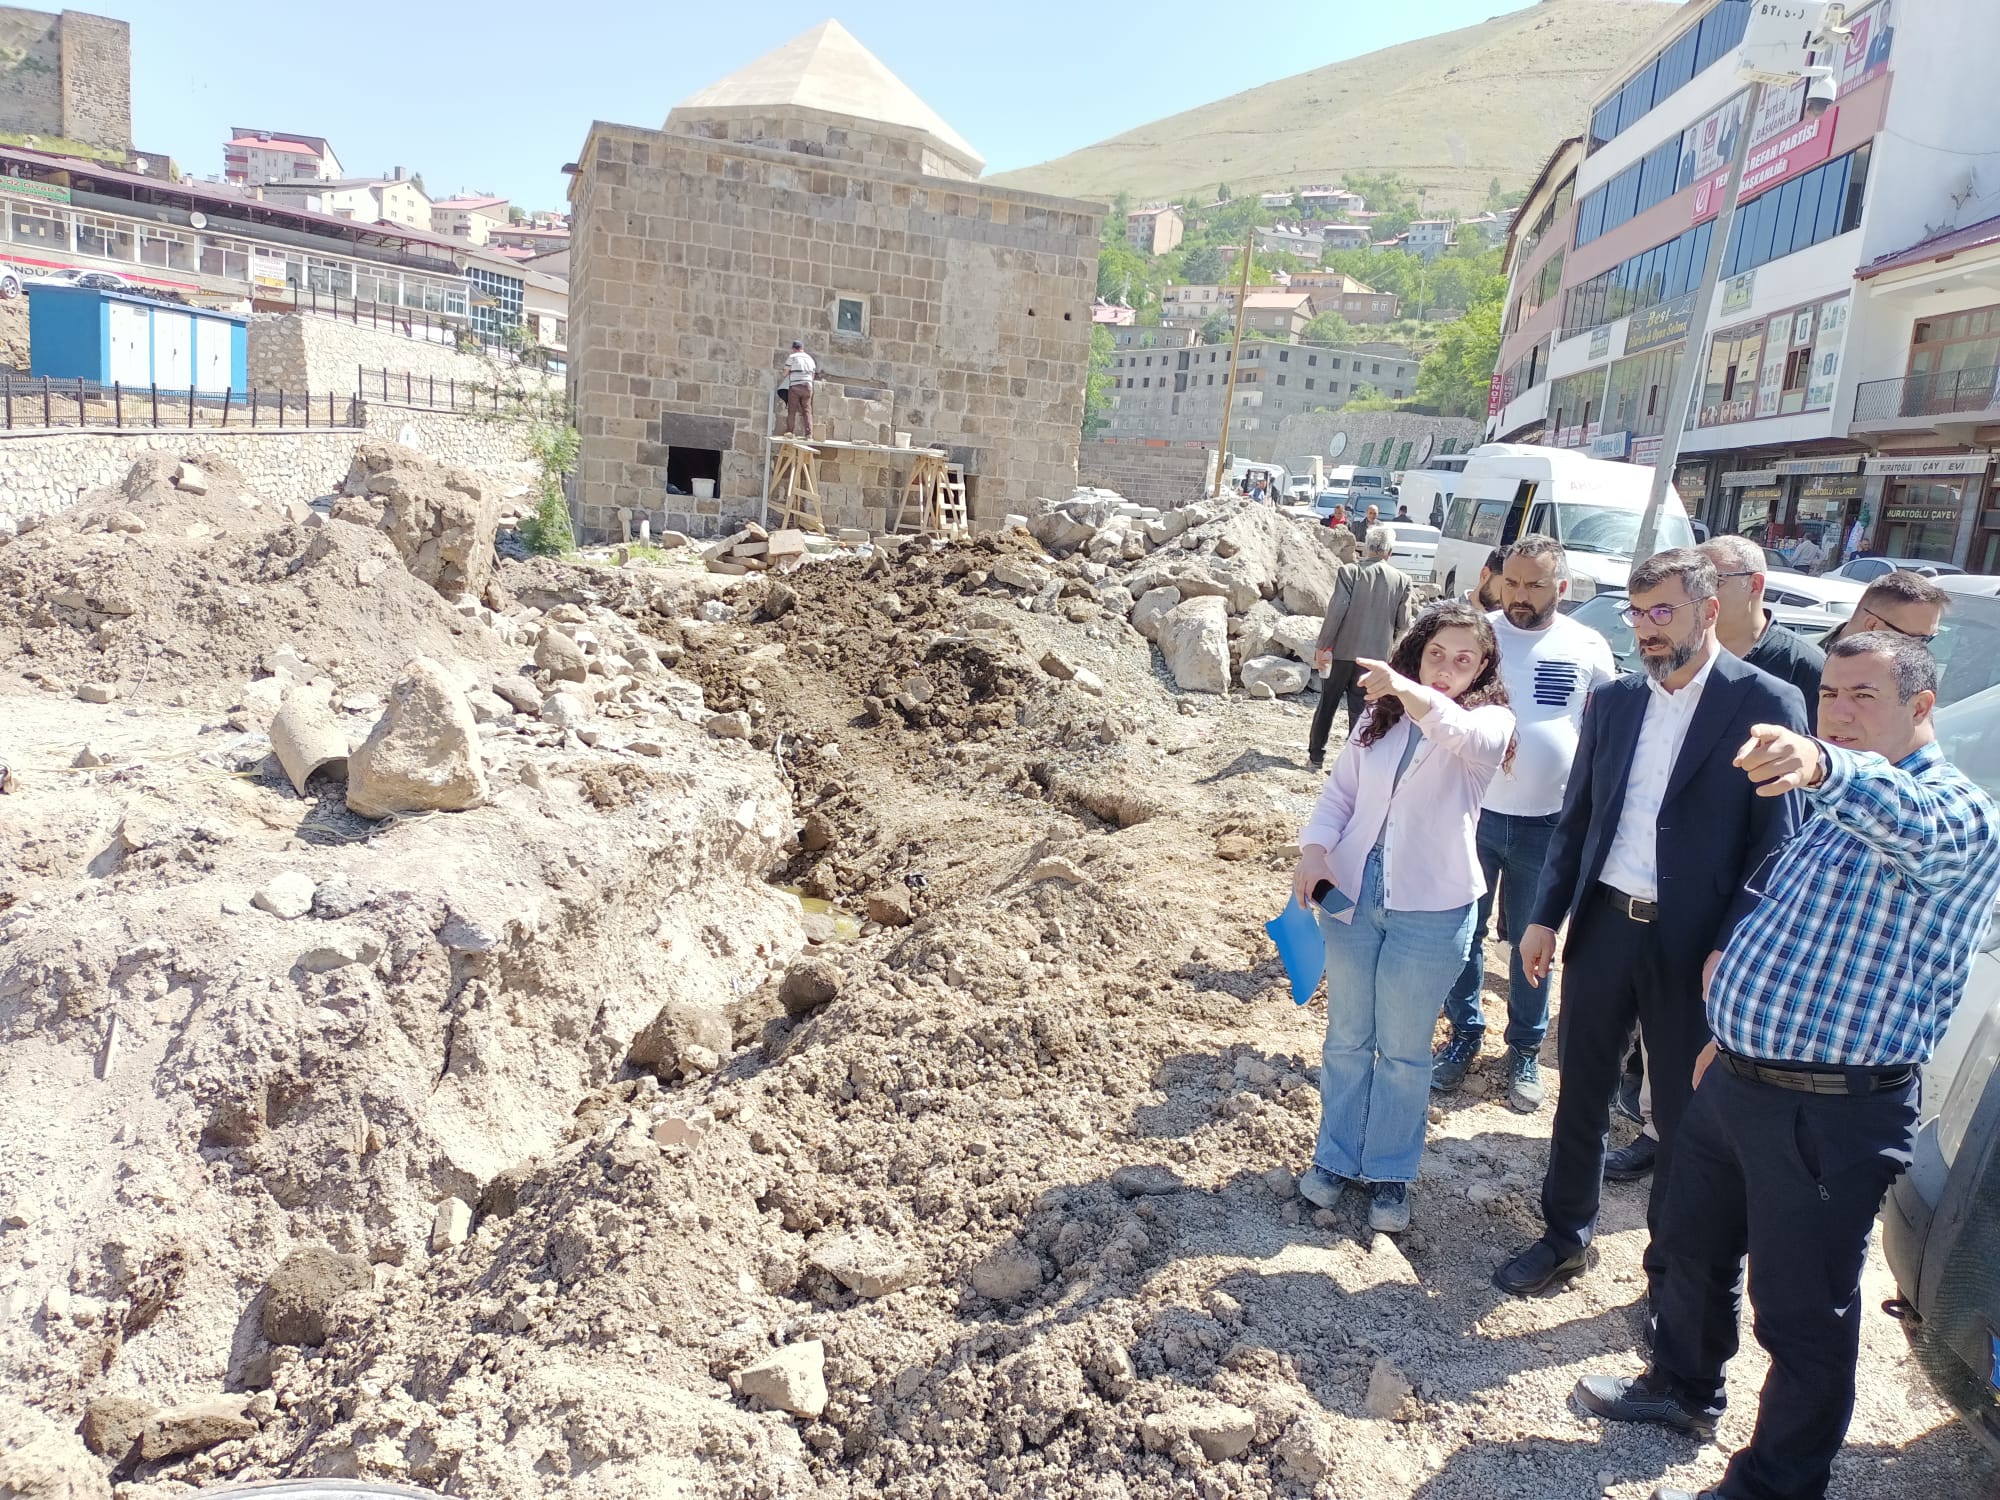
1329 899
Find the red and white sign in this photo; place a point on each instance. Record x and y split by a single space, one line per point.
1493 396
1708 198
1793 152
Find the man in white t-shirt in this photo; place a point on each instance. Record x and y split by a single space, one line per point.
1549 664
797 389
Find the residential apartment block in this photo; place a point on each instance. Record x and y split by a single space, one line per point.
1155 229
474 220
1165 384
252 158
1302 240
370 200
1337 292
1847 390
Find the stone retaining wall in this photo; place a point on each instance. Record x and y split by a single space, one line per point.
307 352
1150 473
42 473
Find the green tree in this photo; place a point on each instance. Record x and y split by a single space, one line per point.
1331 328
1368 398
1222 192
1217 329
1097 384
1203 266
1123 274
1114 221
1456 375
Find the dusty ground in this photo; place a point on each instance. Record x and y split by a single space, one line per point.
1025 1177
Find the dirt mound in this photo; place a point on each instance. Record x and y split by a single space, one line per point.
180 585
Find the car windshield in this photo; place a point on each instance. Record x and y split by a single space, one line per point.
1969 734
1598 528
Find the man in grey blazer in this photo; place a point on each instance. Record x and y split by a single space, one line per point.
1370 608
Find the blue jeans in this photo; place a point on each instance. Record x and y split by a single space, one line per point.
1384 973
1511 851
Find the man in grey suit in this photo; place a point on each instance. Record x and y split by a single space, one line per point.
1370 608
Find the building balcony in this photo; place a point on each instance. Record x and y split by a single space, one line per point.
1951 403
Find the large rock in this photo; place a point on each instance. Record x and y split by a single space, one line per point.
40 1461
1061 532
1008 1274
808 984
198 1425
303 1290
1194 638
1297 635
791 1379
867 1262
560 657
1254 639
1153 607
441 520
423 753
1282 676
679 1025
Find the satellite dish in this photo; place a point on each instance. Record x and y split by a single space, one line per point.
1426 448
1338 446
198 220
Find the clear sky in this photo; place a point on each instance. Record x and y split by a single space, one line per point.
498 95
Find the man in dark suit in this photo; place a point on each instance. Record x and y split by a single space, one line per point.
1659 840
1370 609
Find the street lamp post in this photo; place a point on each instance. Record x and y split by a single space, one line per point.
1681 395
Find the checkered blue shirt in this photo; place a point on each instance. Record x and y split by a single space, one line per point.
1870 918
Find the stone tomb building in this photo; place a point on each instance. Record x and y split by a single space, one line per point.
814 196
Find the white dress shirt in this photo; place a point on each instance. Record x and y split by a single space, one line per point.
1633 863
1428 823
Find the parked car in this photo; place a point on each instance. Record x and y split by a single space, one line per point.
1416 549
103 281
1809 604
1967 647
1968 583
1941 1221
1868 569
1314 509
12 282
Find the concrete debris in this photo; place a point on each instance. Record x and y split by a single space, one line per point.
1388 1390
865 1262
440 520
1282 677
452 1223
197 1425
112 1425
307 740
423 753
790 1380
285 896
560 657
1194 639
97 692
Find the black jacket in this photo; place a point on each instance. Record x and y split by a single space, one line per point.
1715 833
1790 657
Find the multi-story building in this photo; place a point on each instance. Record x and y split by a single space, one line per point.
1429 238
1166 384
1191 306
1331 200
252 158
1155 229
1346 236
1337 292
1609 255
370 200
472 219
1302 240
537 239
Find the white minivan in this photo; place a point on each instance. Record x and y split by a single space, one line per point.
1422 489
1591 505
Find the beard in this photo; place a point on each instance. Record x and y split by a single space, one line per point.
1527 617
1660 668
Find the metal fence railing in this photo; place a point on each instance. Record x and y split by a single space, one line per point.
31 403
429 393
1944 393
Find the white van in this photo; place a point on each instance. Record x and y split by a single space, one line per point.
1422 489
1591 505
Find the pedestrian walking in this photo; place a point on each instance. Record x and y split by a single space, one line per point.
1827 1002
797 389
1370 607
1657 839
1391 845
1363 524
1549 664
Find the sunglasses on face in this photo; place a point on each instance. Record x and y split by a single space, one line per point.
1908 635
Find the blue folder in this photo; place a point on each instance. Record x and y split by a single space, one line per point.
1296 932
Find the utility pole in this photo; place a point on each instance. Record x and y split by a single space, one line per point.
1235 347
1828 26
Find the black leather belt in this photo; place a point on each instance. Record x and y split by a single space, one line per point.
1805 1079
1629 906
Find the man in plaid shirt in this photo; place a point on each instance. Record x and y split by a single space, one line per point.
1826 1004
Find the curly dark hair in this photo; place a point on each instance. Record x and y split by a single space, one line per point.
1408 659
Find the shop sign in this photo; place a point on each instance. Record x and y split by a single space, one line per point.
267 269
28 187
1798 149
1600 341
1781 109
1737 479
1916 468
1923 513
1848 465
1659 326
1737 292
1690 480
1495 396
1832 487
1646 451
1707 148
1611 445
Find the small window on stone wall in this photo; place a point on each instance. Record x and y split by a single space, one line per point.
850 315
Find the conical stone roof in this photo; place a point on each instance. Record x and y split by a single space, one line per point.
827 69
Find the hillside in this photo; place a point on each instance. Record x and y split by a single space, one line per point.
1449 112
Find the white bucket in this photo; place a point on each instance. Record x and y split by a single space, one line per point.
704 489
902 440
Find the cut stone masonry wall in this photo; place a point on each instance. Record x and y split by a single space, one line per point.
307 352
1162 474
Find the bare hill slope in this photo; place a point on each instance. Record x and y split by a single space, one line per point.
1451 112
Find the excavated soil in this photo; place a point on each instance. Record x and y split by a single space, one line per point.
1015 1163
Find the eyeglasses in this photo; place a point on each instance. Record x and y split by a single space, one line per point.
1659 614
1746 573
1908 635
